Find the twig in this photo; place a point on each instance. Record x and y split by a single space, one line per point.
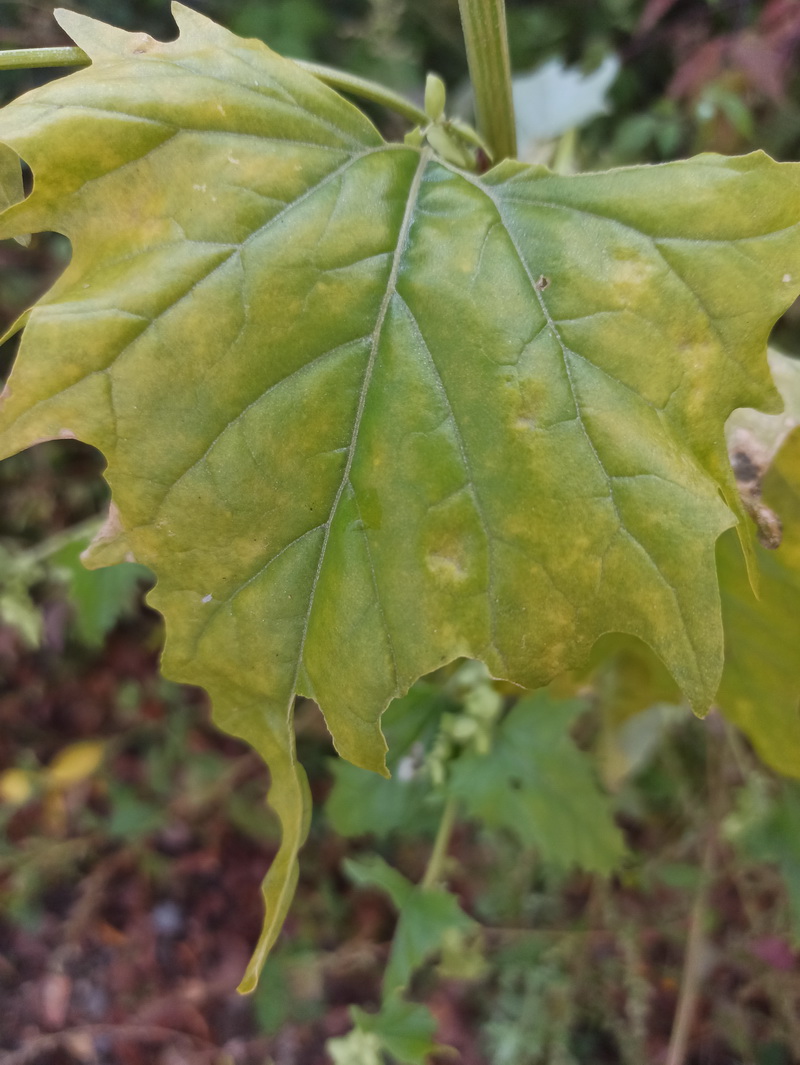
435 870
692 965
693 960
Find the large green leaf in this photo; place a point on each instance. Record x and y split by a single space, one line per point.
364 412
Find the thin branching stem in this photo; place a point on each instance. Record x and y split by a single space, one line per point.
435 871
694 958
363 88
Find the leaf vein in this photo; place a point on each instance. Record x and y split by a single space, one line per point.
263 567
468 470
306 366
391 289
565 355
378 600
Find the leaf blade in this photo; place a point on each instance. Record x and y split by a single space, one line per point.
349 421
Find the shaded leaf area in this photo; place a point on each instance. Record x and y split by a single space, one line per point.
339 463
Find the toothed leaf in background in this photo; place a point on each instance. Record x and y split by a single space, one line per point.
540 787
765 827
426 917
406 1030
100 598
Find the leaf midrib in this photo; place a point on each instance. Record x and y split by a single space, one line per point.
391 286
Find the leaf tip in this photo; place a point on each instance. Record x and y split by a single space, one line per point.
248 984
98 39
109 544
363 744
188 20
72 22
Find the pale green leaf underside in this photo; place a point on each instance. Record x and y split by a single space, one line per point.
364 413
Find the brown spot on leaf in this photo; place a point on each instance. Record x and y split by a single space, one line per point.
770 526
749 469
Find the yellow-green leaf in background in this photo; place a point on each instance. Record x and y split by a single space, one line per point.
75 763
760 691
364 412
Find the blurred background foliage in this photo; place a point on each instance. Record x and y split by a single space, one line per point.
611 861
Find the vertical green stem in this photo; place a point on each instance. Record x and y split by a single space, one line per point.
433 873
484 25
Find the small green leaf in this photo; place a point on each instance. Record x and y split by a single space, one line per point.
426 917
100 597
766 828
435 96
405 1029
537 784
132 818
373 871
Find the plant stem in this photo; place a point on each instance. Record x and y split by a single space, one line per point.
435 868
694 959
24 58
564 158
486 39
366 90
84 530
692 965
